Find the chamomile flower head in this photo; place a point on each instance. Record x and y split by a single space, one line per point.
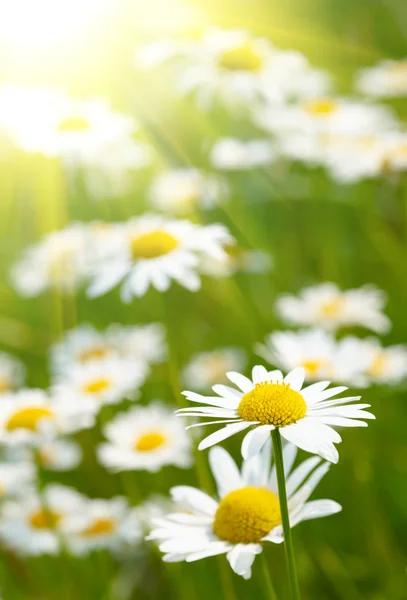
387 79
384 365
34 525
182 191
109 524
232 154
152 251
246 513
33 416
206 368
304 416
146 438
59 261
102 382
319 353
327 306
145 343
238 259
12 373
16 479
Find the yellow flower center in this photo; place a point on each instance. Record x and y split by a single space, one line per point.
321 106
5 385
378 366
28 418
242 58
398 75
245 516
73 124
96 385
152 245
44 519
272 404
102 526
95 353
332 308
150 441
312 366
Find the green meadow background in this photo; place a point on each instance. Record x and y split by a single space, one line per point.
316 231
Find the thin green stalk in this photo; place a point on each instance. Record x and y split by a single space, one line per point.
269 584
282 493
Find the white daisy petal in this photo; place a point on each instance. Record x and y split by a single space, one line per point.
259 374
241 381
225 471
241 558
222 434
254 440
194 499
295 378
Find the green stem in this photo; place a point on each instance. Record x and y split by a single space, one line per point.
288 542
269 584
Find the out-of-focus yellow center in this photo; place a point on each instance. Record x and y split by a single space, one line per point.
242 58
245 516
378 366
95 353
5 384
332 308
102 526
272 404
312 366
150 441
152 245
74 124
96 386
321 106
28 418
398 75
44 519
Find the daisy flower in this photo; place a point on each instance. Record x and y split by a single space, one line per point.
33 526
246 513
109 524
387 79
319 353
206 368
59 455
327 306
12 373
304 416
238 259
16 479
152 250
139 342
32 416
60 260
103 382
385 365
145 438
182 191
232 154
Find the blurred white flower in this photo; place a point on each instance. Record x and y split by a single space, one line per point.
327 306
318 352
386 365
387 79
101 382
60 260
182 191
12 373
32 417
156 506
100 524
207 368
231 154
59 455
247 513
16 479
238 260
153 250
145 438
139 342
34 526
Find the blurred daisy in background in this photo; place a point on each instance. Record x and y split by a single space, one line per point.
318 352
387 79
247 513
59 261
232 154
182 191
16 479
385 365
12 373
304 416
155 506
110 524
327 306
32 417
145 343
35 526
58 454
238 259
145 438
153 250
103 382
207 368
